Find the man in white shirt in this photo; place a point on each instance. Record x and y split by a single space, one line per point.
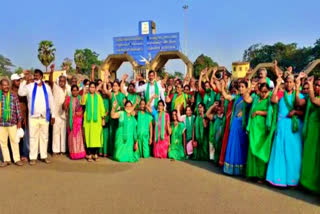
263 77
60 126
40 105
152 87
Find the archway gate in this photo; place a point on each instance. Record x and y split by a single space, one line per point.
113 62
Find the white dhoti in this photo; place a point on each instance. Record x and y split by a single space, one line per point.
60 125
59 135
39 132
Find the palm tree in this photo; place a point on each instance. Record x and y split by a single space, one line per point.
79 59
46 53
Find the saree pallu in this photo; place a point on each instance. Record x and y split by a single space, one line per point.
226 133
310 172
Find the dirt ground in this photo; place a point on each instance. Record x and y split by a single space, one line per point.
149 186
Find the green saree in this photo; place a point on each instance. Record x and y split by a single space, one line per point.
176 149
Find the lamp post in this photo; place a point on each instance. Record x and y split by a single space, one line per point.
185 8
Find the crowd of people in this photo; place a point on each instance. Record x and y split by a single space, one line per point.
249 127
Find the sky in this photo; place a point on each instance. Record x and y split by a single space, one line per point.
219 29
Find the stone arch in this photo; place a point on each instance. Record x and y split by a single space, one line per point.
113 62
312 65
163 57
266 65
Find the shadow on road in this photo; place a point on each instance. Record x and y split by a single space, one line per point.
298 193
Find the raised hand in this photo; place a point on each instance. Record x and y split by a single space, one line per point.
279 81
204 71
154 96
93 66
125 77
310 80
214 71
52 66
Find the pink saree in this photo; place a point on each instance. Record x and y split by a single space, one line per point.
75 136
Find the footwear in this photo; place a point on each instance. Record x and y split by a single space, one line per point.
32 162
95 157
19 163
3 164
55 154
24 159
89 158
46 161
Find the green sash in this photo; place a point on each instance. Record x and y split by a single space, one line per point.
199 129
89 107
70 111
307 116
156 89
162 126
189 126
6 114
295 120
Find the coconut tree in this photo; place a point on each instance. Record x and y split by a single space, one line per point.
79 59
46 53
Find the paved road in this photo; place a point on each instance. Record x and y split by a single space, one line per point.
150 186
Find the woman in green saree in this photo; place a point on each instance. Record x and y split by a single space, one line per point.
260 129
215 115
310 172
200 135
144 130
126 144
114 96
177 148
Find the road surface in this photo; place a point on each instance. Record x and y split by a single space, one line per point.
149 186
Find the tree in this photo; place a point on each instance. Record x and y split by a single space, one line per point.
5 65
67 65
201 63
84 58
46 53
19 70
79 59
286 55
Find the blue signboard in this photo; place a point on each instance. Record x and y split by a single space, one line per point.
147 44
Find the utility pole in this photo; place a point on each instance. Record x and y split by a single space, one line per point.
185 8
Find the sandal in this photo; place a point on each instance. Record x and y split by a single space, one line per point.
89 158
96 157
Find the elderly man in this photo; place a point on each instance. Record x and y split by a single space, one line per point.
151 88
24 144
263 77
40 105
60 126
10 121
